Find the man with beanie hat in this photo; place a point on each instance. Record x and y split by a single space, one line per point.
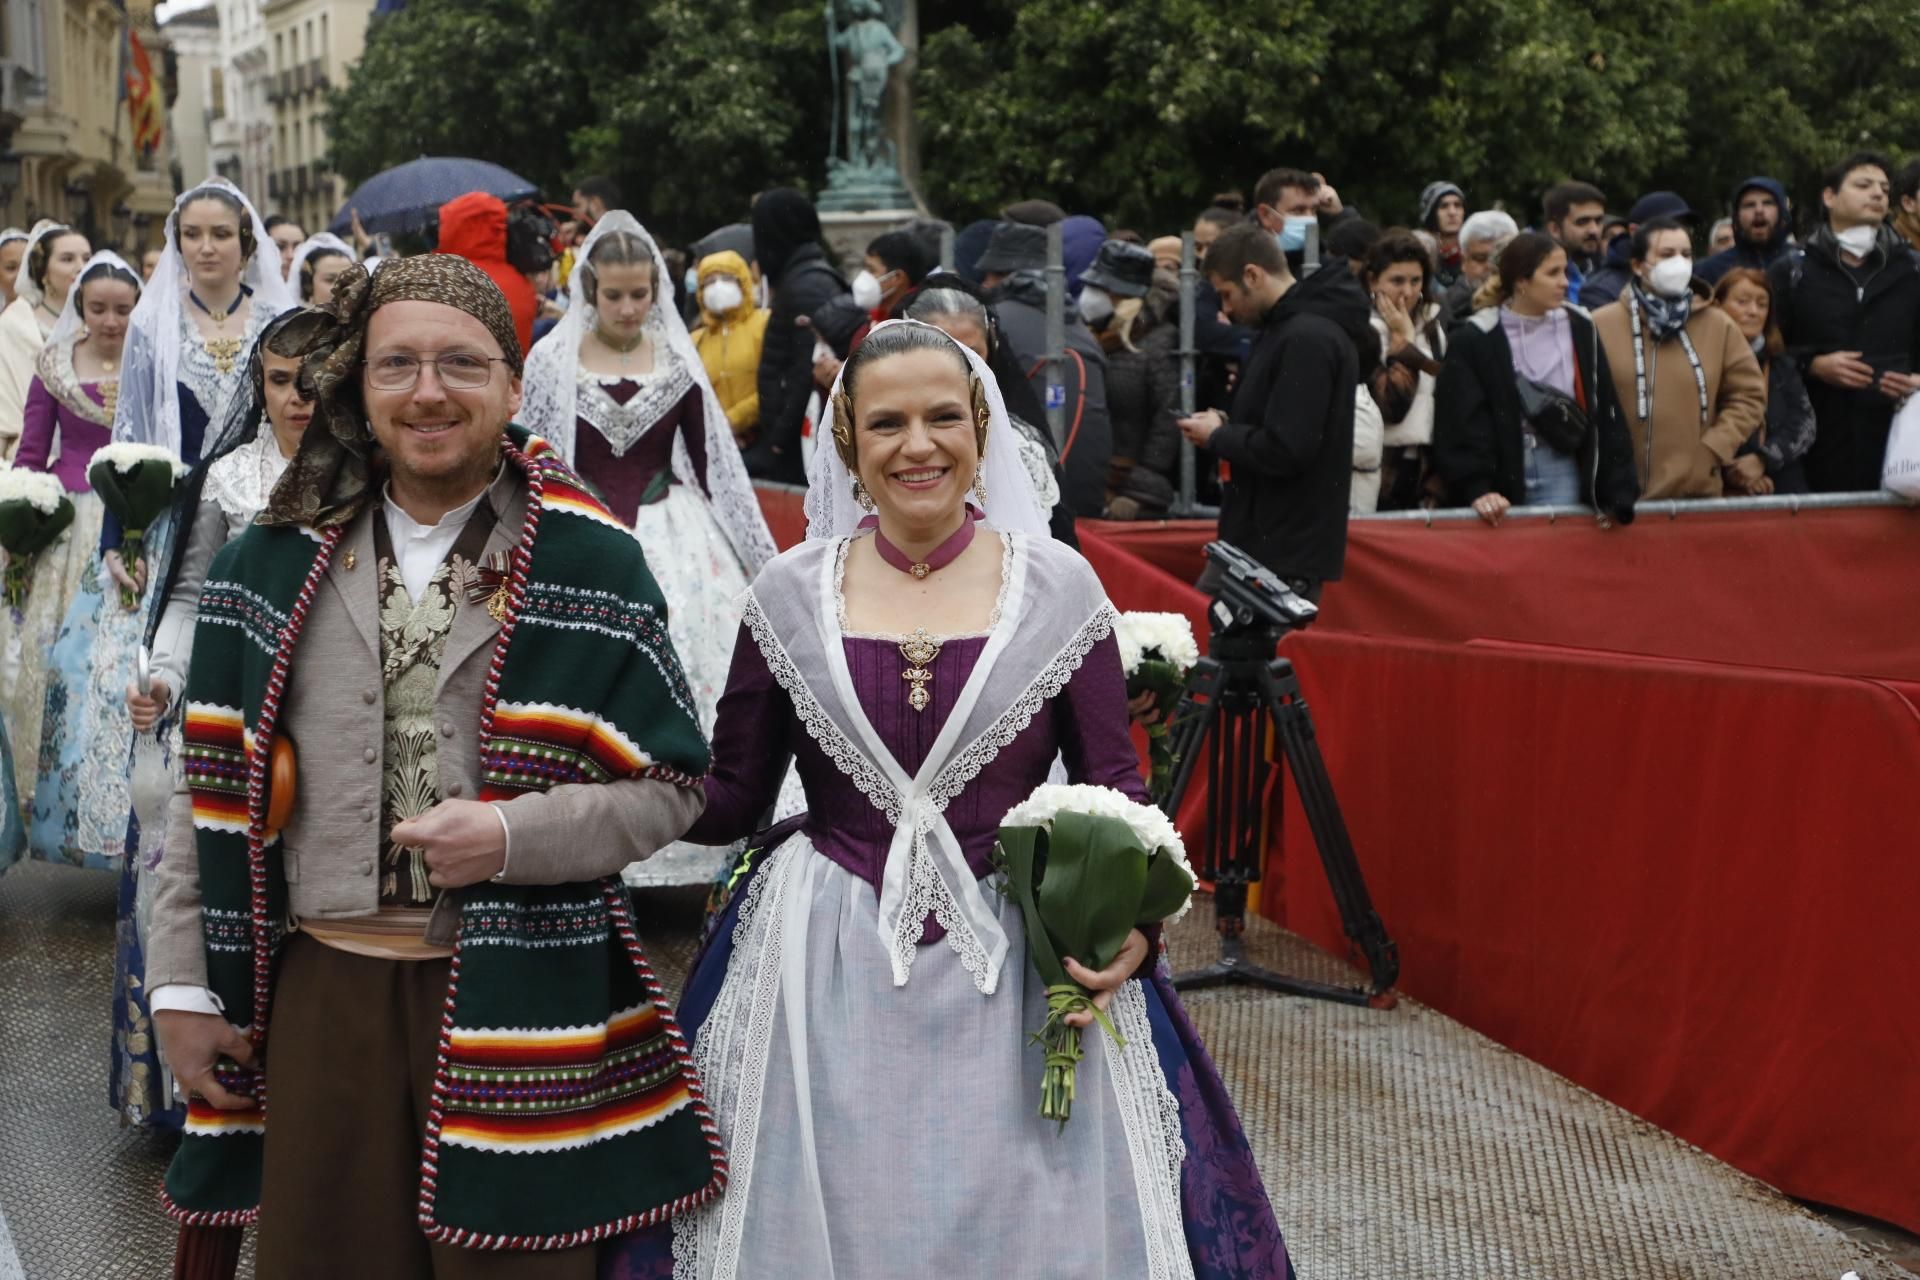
1762 230
391 898
1443 208
1606 284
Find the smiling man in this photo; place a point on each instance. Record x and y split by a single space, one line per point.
432 712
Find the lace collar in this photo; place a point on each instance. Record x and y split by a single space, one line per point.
211 384
241 480
56 373
624 424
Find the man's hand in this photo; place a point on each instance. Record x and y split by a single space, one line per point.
1328 201
1844 369
1491 507
1201 426
192 1042
145 709
463 839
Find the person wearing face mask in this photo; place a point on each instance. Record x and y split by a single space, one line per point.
896 265
731 333
1610 281
1126 302
1689 386
1289 202
1850 312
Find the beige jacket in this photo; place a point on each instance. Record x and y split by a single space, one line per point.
333 715
1675 454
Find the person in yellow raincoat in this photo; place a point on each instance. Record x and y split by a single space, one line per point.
729 338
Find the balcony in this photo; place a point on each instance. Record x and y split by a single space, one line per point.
274 191
321 81
302 77
300 181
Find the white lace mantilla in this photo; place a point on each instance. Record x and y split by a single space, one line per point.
624 424
241 480
1029 657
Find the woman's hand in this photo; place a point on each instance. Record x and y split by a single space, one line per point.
145 709
1745 472
136 583
1491 507
1104 983
1399 324
1143 708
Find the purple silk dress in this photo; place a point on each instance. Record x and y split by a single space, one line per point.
624 479
1228 1223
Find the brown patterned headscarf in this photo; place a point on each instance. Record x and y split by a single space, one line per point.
331 478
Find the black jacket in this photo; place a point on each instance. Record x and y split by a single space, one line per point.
805 284
1822 305
1479 446
1288 443
1606 285
1021 305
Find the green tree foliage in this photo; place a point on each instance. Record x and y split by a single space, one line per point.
1138 110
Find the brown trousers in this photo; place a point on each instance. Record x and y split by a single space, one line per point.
350 1070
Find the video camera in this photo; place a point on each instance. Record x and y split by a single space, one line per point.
1248 595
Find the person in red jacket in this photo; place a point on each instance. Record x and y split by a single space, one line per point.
474 226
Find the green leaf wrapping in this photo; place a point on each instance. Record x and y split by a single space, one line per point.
25 530
137 497
1090 886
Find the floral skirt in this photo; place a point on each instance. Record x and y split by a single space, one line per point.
27 634
876 1131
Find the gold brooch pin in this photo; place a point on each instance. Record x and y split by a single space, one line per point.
349 561
919 649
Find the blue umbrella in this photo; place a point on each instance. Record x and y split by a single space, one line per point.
406 198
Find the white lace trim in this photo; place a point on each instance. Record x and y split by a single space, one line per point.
624 424
731 1055
241 481
1150 1118
993 619
832 738
1033 456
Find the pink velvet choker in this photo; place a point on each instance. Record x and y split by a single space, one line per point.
939 558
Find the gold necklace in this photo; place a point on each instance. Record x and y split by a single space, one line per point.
109 395
920 650
600 336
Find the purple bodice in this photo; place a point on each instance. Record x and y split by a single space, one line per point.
79 438
623 480
1086 724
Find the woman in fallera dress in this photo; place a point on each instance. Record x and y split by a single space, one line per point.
48 268
622 395
69 414
862 1012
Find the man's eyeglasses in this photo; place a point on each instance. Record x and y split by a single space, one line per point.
459 370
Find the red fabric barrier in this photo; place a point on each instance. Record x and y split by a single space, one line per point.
785 510
1689 888
1823 591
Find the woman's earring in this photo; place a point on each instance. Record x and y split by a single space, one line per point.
861 496
980 486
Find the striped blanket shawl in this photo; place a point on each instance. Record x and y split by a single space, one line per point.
565 1107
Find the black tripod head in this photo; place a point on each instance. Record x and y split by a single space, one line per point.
1252 606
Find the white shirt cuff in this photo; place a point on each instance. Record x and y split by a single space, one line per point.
506 855
184 997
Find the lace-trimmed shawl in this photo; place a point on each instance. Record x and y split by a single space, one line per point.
240 480
624 424
557 395
55 370
1054 613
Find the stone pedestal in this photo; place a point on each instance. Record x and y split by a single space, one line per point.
848 234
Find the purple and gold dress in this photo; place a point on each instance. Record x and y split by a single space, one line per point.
862 1011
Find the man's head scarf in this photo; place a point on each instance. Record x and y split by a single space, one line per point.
330 480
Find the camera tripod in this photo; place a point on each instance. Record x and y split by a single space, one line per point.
1236 695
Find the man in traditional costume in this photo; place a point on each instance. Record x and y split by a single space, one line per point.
432 712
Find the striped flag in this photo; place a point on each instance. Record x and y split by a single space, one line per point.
140 93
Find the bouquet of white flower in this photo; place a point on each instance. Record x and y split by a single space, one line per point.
1157 650
34 512
1086 866
136 483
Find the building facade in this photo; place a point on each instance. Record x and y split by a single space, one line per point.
313 44
66 145
240 141
199 101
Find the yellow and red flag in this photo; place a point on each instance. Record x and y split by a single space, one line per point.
142 95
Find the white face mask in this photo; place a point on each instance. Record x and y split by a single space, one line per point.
1858 241
722 296
866 290
1096 307
1671 277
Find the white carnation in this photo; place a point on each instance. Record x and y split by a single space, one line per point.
1153 827
37 489
125 455
1168 634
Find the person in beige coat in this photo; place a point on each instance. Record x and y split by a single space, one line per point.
1689 385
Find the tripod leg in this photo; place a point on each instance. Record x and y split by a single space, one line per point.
1197 714
1280 692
